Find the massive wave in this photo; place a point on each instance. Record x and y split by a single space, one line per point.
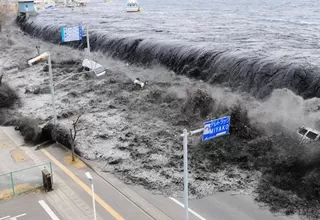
241 71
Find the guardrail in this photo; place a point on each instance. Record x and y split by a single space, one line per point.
21 181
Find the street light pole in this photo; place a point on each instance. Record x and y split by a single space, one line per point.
52 90
93 200
41 57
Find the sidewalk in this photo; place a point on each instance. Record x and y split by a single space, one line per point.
15 156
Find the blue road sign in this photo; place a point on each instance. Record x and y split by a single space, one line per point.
71 33
215 128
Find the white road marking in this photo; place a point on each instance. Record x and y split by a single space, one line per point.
190 210
19 215
12 218
48 210
15 217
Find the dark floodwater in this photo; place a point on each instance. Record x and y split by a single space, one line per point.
276 28
254 45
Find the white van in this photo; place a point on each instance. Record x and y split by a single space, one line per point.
308 134
132 6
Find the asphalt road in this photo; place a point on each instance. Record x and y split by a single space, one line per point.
221 206
25 207
120 204
72 190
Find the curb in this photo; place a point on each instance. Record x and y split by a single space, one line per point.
149 209
145 206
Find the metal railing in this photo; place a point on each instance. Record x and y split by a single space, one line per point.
23 180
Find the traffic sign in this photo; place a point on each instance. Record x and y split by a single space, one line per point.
71 33
216 128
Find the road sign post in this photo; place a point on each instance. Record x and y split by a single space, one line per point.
185 173
73 33
88 42
88 48
215 128
212 129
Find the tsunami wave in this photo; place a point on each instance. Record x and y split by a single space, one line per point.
241 71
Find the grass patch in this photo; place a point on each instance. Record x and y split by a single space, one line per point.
20 189
77 163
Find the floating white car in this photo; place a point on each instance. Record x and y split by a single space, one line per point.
132 6
97 68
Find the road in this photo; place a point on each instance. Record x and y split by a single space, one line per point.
110 203
146 209
114 199
27 207
220 206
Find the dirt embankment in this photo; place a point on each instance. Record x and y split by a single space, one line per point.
134 133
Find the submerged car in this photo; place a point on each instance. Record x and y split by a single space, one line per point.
132 7
308 134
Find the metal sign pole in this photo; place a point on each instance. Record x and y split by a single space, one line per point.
89 50
88 42
185 173
52 90
211 130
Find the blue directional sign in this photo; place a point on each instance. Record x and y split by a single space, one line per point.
215 128
71 33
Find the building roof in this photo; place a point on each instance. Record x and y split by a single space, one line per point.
25 1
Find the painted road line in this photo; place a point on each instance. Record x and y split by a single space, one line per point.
15 217
48 210
12 218
83 185
190 210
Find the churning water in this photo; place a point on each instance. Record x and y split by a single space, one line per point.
255 46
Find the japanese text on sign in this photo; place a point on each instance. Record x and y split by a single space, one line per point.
216 128
71 33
